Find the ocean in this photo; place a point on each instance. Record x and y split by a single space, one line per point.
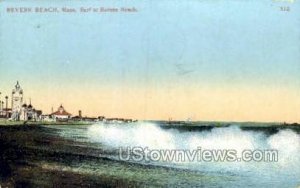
115 142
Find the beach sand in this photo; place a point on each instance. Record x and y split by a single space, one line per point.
26 151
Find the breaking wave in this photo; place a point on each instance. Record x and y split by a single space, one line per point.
151 135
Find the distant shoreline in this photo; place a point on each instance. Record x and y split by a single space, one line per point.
165 124
12 123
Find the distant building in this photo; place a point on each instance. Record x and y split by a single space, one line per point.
61 114
118 120
16 101
22 111
47 117
29 113
6 112
79 117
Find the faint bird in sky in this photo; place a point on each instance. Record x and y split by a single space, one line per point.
182 69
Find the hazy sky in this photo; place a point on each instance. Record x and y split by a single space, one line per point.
199 59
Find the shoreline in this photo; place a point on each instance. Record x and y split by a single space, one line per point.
16 123
35 156
165 124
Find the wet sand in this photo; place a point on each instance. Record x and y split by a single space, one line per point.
26 149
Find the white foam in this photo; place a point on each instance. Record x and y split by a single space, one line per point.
149 135
131 135
287 143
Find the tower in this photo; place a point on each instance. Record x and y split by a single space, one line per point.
16 101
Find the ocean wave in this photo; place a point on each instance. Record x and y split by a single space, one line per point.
152 136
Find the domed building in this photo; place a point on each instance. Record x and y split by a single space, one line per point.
21 111
61 114
29 113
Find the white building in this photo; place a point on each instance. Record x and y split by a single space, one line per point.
61 114
16 102
29 113
20 110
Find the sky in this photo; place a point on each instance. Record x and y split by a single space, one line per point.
199 59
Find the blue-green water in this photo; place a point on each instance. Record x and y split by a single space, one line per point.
109 138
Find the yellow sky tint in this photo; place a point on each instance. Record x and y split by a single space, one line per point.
199 103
